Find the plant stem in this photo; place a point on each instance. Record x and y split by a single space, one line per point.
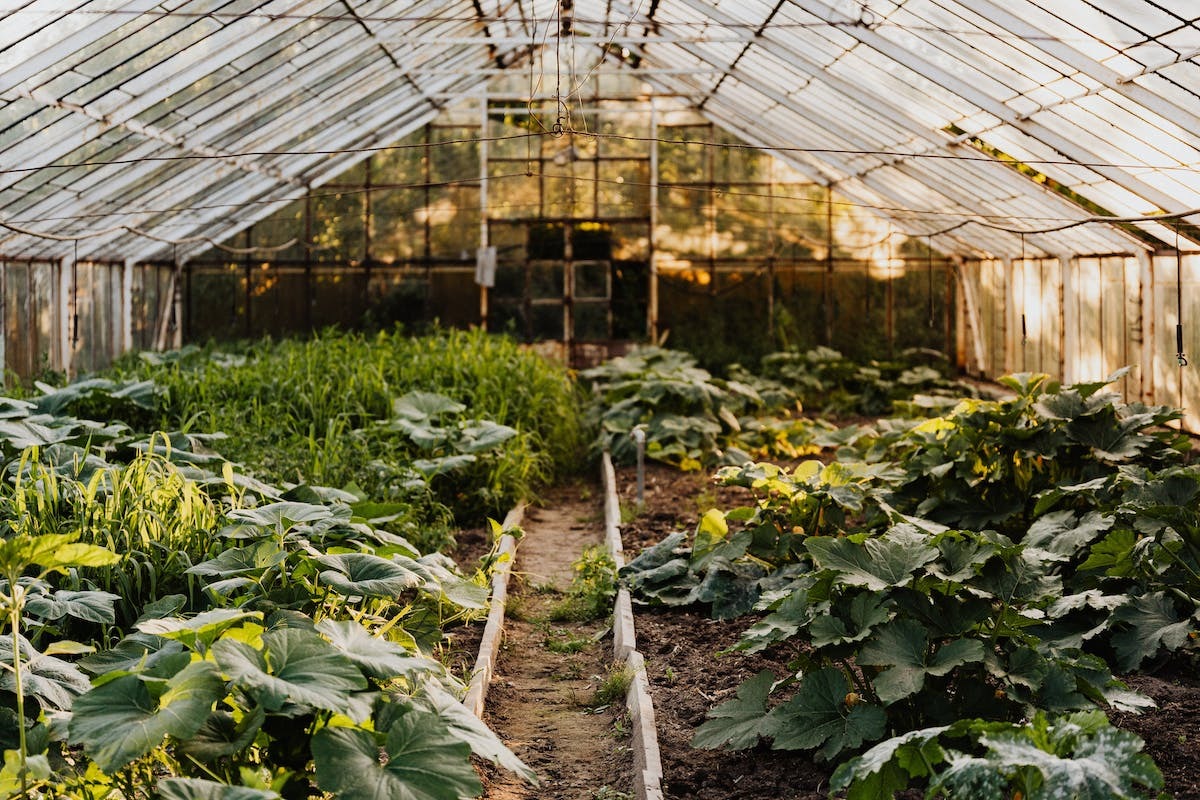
14 620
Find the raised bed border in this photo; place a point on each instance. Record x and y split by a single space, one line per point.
647 761
493 629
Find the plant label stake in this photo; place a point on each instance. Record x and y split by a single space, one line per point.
639 438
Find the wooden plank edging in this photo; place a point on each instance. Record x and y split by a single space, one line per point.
647 760
493 630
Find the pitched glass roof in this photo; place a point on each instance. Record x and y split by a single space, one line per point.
185 118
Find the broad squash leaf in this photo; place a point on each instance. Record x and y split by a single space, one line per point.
865 611
874 563
200 631
903 646
366 575
121 720
422 406
93 606
53 681
423 762
818 716
223 735
201 789
1153 622
379 658
738 723
294 666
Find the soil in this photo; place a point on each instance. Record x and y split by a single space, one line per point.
540 702
687 678
461 645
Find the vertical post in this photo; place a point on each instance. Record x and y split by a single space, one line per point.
483 196
63 305
828 282
652 296
366 257
1068 313
177 305
890 298
187 301
639 437
249 295
569 291
309 295
126 341
1149 323
3 323
771 254
1008 316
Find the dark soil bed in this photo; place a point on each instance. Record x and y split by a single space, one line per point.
461 646
687 678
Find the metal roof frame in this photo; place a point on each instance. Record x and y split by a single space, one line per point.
168 115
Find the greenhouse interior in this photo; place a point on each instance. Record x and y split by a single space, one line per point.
878 321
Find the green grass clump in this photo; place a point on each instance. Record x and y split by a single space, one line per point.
306 411
593 587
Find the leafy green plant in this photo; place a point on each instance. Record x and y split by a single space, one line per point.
50 680
687 414
824 379
1078 755
612 686
593 587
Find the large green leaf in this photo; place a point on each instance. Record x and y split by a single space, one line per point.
92 606
870 774
738 723
122 720
241 560
423 762
1152 622
53 681
282 515
818 716
793 613
200 631
294 666
865 611
135 649
379 658
366 575
1104 766
53 551
871 562
483 435
903 646
422 406
223 734
201 789
1065 532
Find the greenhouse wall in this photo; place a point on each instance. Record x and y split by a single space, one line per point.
1082 319
58 317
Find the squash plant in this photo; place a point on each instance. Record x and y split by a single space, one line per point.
999 557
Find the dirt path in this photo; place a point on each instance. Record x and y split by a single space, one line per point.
542 698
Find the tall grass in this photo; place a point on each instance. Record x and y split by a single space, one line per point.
154 518
303 411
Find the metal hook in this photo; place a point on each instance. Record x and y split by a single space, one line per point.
1182 359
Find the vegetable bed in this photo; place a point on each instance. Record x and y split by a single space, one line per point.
954 592
184 626
688 680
